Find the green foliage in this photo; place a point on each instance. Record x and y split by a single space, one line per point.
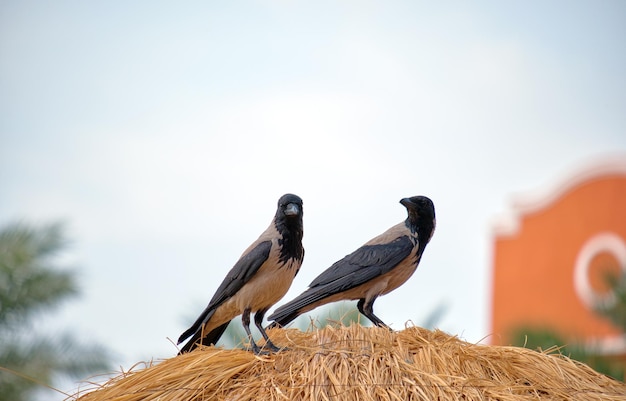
27 284
30 284
434 317
616 312
340 312
542 338
545 339
344 313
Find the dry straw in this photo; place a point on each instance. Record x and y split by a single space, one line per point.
363 363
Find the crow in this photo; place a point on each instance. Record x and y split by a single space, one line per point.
378 267
261 277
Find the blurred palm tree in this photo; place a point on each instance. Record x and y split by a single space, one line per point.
31 284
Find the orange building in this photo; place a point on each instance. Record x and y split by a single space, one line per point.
551 258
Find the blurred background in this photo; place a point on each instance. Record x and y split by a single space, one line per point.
143 147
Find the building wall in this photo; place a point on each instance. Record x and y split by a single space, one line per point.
549 271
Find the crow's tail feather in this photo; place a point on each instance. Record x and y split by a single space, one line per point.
209 339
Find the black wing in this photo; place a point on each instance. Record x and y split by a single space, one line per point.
359 267
366 263
240 274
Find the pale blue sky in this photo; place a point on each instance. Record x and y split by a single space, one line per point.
163 135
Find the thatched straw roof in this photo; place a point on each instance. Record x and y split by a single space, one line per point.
363 363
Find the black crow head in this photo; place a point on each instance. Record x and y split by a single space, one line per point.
289 208
421 217
288 221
